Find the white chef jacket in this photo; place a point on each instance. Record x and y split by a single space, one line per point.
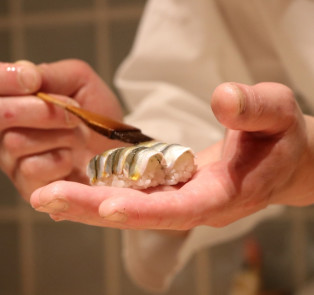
183 50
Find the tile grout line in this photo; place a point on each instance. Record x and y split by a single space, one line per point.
16 30
202 270
111 264
26 250
102 47
298 247
26 257
112 273
62 18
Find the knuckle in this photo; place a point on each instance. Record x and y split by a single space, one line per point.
56 190
28 168
291 105
50 166
81 66
288 96
12 141
272 98
62 158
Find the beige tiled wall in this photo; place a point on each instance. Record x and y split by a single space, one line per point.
41 257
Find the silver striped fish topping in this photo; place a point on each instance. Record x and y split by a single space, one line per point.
141 166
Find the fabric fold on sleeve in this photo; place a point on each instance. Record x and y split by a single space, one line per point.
154 258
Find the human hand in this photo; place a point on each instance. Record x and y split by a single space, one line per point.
41 143
266 158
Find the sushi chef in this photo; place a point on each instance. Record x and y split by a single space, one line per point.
175 85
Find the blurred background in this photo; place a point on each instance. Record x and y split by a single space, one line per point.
39 256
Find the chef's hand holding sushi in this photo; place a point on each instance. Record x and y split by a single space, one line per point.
266 157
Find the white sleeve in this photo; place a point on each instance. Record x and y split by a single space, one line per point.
153 258
182 52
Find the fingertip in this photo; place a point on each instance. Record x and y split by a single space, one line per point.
28 76
34 198
57 218
49 199
118 217
124 205
47 193
255 108
228 101
111 211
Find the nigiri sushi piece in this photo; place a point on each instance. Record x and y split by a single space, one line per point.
141 166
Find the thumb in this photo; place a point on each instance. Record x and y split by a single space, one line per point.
265 107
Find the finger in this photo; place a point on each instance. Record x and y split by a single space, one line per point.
68 192
39 170
66 76
34 142
121 207
70 201
77 79
264 107
153 211
31 112
84 217
19 78
73 201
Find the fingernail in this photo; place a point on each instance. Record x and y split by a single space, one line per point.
55 206
116 217
241 97
28 78
57 218
72 102
70 119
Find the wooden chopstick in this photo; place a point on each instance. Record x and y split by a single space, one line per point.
106 126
